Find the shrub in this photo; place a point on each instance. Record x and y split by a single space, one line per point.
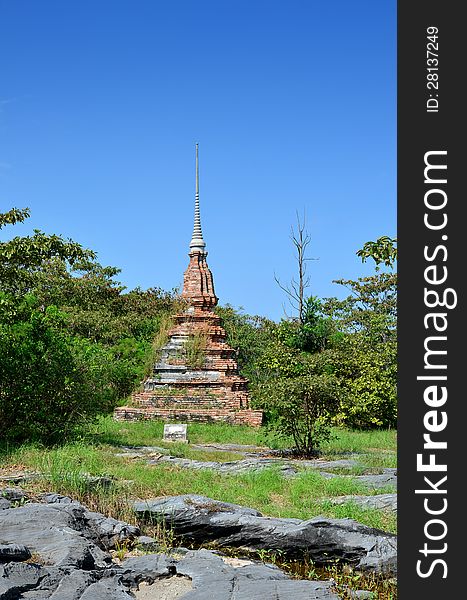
49 381
371 395
304 408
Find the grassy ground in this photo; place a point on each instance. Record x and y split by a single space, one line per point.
149 433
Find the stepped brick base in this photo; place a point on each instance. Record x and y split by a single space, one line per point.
253 418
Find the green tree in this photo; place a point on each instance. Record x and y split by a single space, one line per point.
49 382
302 407
365 359
382 251
23 256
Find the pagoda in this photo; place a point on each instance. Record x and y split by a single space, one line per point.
196 377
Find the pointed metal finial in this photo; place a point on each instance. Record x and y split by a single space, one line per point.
197 242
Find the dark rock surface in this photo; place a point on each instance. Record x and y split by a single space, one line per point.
68 559
200 520
13 552
236 466
380 501
388 478
215 579
4 503
19 477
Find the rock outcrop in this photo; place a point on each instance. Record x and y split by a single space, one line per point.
67 549
199 519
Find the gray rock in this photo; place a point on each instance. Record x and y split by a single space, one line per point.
200 520
146 543
110 531
4 503
319 464
237 448
16 578
20 477
51 498
212 578
192 502
51 579
288 467
386 479
107 589
106 530
57 533
70 542
147 568
98 481
72 585
13 552
380 501
360 595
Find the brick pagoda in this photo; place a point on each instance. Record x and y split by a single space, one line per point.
196 377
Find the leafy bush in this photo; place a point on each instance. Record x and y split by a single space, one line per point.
304 408
370 398
49 382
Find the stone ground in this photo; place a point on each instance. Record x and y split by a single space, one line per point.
202 520
57 549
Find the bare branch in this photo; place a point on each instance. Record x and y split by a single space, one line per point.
296 290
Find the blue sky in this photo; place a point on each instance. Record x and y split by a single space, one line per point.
293 105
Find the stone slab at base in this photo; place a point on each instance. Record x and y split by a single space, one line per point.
253 418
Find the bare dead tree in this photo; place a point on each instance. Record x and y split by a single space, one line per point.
295 290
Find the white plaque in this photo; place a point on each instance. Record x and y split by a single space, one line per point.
175 432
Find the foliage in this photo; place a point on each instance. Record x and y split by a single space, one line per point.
349 342
22 257
365 359
268 491
15 215
383 250
368 377
250 336
305 407
49 382
195 349
311 334
96 303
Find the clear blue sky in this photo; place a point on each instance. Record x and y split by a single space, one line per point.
293 104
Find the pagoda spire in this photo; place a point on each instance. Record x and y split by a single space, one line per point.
197 243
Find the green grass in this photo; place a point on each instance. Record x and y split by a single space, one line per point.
346 441
149 433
